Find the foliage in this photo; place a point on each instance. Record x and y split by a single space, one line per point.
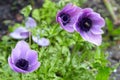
68 57
112 30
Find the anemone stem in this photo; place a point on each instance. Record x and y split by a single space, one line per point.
110 9
21 76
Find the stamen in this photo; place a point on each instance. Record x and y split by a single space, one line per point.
85 24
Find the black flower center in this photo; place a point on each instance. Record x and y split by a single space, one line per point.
22 64
65 18
85 24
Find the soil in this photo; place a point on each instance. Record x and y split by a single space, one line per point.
114 58
10 11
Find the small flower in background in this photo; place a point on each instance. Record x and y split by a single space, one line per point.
23 32
41 41
23 59
20 33
89 26
67 16
30 23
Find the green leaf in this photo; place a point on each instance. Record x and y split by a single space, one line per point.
26 11
98 53
109 25
116 31
36 14
5 38
103 73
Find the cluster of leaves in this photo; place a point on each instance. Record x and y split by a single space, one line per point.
68 57
112 30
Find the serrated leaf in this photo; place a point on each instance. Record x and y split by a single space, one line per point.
103 73
36 14
116 31
109 24
26 11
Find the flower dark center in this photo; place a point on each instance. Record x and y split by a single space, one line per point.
65 18
85 24
22 64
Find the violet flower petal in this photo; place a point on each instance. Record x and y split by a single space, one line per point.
92 38
34 67
95 39
41 41
89 24
69 29
14 68
97 19
17 33
95 30
26 60
25 34
15 56
67 7
30 23
44 42
31 56
24 47
87 10
66 17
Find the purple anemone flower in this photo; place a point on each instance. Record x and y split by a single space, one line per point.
30 23
41 41
20 33
23 59
89 24
67 16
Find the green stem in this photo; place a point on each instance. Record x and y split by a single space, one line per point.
21 76
32 3
110 9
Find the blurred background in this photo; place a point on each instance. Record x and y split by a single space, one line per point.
109 9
